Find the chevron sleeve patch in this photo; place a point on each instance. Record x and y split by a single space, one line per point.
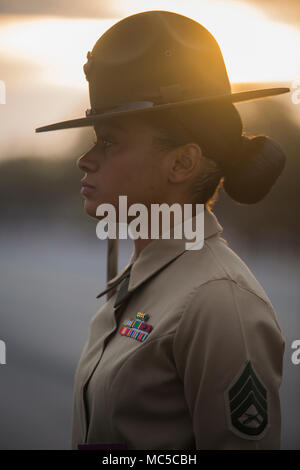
246 403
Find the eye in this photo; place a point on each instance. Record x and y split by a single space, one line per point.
104 142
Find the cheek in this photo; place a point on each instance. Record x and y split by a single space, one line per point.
154 182
125 174
134 173
143 178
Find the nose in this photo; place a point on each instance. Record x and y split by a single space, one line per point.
87 162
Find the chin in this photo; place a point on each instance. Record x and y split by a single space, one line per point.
90 209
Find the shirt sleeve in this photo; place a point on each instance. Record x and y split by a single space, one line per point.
228 349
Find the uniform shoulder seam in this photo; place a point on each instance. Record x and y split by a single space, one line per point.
229 278
194 292
234 282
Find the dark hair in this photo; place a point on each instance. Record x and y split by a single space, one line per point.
246 166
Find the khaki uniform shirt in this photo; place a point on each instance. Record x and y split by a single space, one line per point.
208 374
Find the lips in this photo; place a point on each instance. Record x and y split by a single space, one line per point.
86 184
86 188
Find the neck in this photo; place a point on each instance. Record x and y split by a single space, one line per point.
140 243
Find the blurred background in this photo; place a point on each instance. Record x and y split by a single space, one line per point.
52 263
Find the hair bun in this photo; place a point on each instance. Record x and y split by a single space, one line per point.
260 162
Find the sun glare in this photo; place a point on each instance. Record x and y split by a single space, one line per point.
59 46
254 47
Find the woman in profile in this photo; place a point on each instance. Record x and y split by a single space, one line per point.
187 353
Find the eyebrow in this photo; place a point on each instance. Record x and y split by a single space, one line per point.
115 124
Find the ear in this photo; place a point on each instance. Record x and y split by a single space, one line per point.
185 162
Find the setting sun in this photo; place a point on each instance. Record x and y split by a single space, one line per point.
254 47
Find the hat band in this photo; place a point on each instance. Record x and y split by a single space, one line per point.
123 107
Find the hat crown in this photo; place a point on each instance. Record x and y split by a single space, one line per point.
159 56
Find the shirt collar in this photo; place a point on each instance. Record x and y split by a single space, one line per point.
133 257
161 252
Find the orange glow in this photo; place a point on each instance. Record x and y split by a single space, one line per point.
254 47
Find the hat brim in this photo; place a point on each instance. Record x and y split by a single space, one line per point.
130 108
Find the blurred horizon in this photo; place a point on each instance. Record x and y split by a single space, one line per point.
43 47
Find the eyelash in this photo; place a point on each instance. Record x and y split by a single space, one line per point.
103 140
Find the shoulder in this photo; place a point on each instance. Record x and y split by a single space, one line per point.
223 299
214 284
221 315
216 261
224 324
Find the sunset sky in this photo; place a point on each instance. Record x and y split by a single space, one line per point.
43 47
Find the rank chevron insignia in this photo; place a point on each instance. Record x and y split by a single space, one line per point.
247 404
138 328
